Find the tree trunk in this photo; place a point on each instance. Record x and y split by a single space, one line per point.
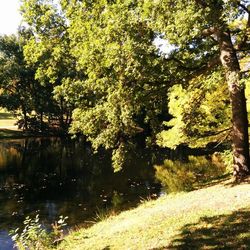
240 140
25 119
41 121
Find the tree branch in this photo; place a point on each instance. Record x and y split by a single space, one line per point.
208 134
198 69
181 64
243 7
210 31
202 3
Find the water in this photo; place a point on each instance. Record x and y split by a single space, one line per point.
55 176
58 176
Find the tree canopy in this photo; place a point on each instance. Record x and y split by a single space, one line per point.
123 83
102 63
207 34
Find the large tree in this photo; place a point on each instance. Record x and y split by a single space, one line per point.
48 50
205 34
126 81
113 74
16 80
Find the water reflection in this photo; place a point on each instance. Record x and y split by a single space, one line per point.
56 176
185 175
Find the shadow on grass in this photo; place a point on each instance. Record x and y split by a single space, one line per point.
219 232
235 182
221 179
5 116
8 133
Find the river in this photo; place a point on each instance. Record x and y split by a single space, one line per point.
59 176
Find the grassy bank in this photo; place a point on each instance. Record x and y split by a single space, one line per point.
7 120
214 217
8 129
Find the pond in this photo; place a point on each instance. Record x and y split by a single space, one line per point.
58 176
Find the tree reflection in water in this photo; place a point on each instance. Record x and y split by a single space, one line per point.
180 175
59 176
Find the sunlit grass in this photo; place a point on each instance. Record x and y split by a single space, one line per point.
203 219
7 119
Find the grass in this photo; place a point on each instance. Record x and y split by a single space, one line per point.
8 129
214 217
11 133
6 119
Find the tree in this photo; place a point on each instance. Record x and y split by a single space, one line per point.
123 94
48 50
100 57
20 91
205 34
15 78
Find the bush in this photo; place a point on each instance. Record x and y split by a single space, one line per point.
35 237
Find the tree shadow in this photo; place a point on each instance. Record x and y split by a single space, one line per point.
7 133
221 179
219 232
6 115
235 182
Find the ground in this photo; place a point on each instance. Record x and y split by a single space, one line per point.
7 120
8 129
214 217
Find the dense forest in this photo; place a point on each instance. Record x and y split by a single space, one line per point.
96 68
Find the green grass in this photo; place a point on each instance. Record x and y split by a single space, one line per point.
8 129
213 217
11 133
6 119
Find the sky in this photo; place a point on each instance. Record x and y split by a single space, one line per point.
10 19
9 16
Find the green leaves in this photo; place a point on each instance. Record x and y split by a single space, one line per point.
113 46
101 60
201 112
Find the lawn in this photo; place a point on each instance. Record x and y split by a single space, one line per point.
8 129
7 120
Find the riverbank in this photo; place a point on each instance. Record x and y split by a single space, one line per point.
9 129
213 217
10 133
7 120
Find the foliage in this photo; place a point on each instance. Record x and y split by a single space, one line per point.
201 112
178 176
15 78
35 237
225 157
126 81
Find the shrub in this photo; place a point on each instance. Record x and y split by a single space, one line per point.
35 237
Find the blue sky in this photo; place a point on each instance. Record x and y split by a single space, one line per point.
9 16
